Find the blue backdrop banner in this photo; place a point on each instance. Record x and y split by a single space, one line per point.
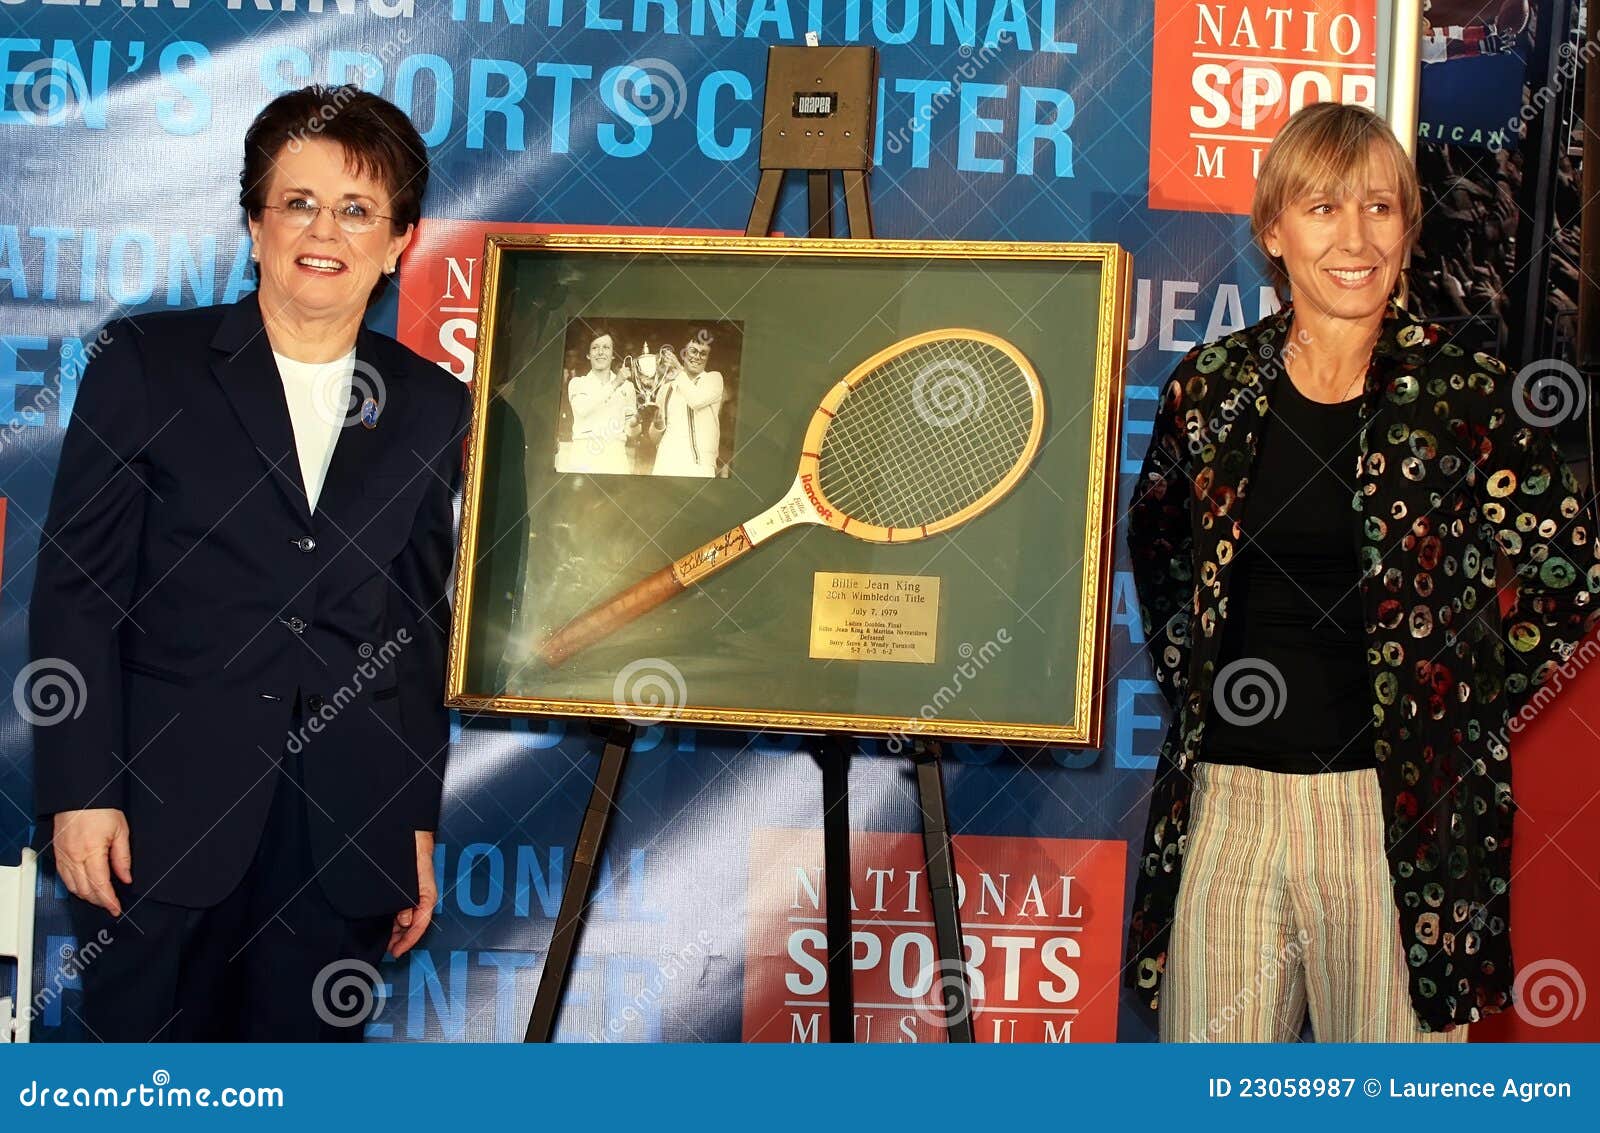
120 136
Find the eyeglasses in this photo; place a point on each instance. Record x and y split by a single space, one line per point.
354 218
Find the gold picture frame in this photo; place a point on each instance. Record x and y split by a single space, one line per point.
761 282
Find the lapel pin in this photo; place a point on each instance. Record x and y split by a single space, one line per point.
369 413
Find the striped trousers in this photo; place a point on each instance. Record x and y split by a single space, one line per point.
1285 902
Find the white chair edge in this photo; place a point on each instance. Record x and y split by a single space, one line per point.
18 885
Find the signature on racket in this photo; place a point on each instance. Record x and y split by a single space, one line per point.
916 440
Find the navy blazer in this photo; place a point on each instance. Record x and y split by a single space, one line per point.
182 574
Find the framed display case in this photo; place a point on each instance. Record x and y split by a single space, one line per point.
850 485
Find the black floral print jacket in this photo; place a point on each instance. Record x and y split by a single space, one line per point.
1449 472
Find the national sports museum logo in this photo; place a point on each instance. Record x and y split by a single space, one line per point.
1041 917
1226 76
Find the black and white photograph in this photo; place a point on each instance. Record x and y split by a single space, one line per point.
649 397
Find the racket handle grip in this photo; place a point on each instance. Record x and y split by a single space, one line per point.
602 621
642 597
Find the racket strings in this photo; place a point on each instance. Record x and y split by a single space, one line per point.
927 434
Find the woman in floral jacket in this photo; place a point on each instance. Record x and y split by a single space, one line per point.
1330 824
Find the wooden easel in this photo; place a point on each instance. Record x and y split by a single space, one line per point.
796 135
833 752
817 118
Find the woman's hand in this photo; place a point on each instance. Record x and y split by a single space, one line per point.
89 845
410 924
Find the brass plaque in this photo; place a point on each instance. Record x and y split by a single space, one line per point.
874 617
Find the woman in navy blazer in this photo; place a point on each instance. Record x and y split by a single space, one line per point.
245 562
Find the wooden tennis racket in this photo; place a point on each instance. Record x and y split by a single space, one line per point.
917 439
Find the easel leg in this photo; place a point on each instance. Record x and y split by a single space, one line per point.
857 207
951 979
834 756
766 203
580 884
819 202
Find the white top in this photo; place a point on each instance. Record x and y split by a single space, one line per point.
604 409
318 394
690 408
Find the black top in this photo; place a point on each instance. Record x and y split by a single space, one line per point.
1298 699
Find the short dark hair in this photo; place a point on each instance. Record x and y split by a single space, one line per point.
375 134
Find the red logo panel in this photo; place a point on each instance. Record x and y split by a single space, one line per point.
1226 76
1041 918
439 286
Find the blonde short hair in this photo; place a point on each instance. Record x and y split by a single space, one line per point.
1328 146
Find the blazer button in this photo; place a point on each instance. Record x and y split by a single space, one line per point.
306 543
315 702
298 625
